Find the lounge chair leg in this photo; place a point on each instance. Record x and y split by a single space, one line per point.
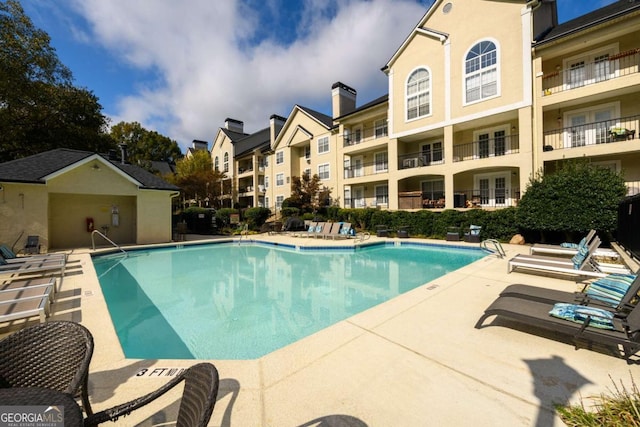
481 320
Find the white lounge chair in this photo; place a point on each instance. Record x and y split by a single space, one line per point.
14 295
541 248
24 309
579 265
29 283
28 267
11 257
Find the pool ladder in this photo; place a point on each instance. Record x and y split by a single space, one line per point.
493 247
93 243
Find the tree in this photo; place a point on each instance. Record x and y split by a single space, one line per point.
40 109
578 197
307 193
197 179
144 146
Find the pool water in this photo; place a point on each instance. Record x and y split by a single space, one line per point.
231 301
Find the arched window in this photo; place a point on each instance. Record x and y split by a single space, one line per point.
216 164
481 72
418 94
225 162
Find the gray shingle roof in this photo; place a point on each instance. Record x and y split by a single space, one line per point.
253 141
34 169
598 16
322 118
377 101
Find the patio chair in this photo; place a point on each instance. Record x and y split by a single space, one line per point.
326 230
580 265
341 231
625 330
196 405
473 235
320 226
54 355
311 229
32 246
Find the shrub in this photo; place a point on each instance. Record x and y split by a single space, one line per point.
622 408
444 220
255 217
574 199
289 211
223 216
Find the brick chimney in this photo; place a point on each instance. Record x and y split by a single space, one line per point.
343 99
234 125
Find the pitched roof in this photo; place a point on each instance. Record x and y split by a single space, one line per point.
598 16
35 169
253 141
377 101
322 118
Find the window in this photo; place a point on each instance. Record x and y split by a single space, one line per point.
307 172
381 163
433 190
432 153
590 126
307 152
216 163
266 161
226 162
418 94
266 201
382 195
279 180
280 157
481 72
380 128
323 145
356 135
491 142
493 189
279 200
589 68
266 182
323 171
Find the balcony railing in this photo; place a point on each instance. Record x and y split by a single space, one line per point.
486 198
365 169
365 202
485 148
607 131
581 74
415 160
244 169
353 138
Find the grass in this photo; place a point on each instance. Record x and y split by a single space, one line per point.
620 408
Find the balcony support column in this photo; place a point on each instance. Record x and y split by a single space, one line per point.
448 160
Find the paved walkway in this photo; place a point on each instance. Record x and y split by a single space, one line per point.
416 360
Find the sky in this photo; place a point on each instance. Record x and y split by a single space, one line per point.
182 67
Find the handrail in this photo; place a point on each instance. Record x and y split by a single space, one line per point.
93 243
497 247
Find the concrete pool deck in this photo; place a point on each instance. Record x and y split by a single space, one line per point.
413 361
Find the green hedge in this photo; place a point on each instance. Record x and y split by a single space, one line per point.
499 224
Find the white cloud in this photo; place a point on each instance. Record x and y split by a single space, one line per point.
208 69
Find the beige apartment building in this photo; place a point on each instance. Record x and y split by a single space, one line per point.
472 112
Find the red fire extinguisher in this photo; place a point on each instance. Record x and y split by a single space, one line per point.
90 226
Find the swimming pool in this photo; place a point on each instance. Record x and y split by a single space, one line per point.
242 301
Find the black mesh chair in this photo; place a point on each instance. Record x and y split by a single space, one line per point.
198 398
53 355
